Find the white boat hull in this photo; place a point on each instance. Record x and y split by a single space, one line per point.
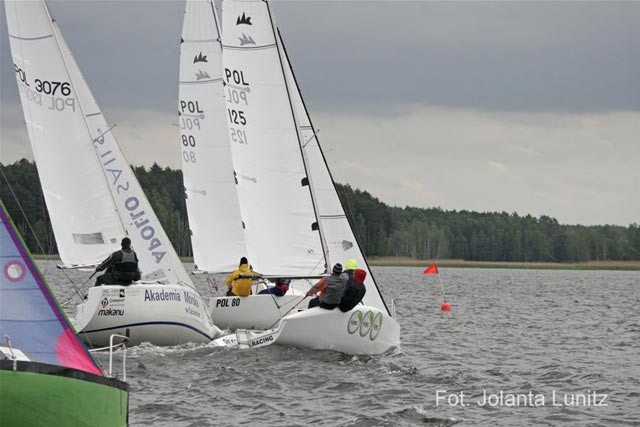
363 330
251 312
162 315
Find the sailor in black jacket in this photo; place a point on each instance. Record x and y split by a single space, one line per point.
121 266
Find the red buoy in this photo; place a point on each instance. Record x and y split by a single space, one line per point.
445 306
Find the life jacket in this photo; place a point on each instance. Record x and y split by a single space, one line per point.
126 268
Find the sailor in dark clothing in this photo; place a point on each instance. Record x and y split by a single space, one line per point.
121 266
281 288
355 291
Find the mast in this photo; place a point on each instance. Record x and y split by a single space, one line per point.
334 201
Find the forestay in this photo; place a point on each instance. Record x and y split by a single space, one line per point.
80 205
29 313
338 235
217 236
75 106
281 228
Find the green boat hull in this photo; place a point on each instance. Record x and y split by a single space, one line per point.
38 394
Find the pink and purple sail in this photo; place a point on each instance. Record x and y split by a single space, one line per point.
29 313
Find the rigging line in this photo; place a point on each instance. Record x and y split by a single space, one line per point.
103 133
311 137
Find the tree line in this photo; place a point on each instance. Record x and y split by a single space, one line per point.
382 230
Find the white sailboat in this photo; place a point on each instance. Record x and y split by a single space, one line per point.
294 222
215 218
93 197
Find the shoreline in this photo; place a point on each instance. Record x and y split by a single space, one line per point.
459 263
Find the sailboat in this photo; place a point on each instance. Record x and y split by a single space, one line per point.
47 376
293 221
215 217
93 197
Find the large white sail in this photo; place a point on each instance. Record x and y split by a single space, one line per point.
217 236
107 168
83 214
281 228
339 238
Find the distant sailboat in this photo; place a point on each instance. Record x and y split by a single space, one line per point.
93 197
47 376
294 222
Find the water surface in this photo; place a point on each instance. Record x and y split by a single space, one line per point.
574 333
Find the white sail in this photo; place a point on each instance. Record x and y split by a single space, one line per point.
281 228
103 164
217 236
339 238
83 214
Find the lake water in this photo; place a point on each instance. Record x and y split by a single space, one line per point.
567 337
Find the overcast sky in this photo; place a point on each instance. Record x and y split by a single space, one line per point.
485 106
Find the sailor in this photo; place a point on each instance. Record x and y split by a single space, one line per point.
281 288
121 266
355 291
331 289
239 282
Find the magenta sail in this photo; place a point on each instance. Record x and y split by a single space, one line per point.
29 313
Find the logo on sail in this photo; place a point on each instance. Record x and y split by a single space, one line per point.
245 39
200 58
15 271
201 75
243 20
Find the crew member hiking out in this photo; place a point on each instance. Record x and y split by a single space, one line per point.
331 289
281 287
239 282
121 266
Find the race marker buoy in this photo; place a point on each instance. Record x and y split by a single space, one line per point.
433 269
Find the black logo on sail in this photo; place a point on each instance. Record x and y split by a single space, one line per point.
200 58
243 20
245 39
201 75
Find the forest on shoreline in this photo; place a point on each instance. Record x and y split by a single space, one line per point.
383 231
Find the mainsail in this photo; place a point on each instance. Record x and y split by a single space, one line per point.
83 214
339 237
217 236
30 316
91 192
281 227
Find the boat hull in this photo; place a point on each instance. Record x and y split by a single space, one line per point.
251 312
38 394
363 330
162 315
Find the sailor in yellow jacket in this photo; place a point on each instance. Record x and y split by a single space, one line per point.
241 287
